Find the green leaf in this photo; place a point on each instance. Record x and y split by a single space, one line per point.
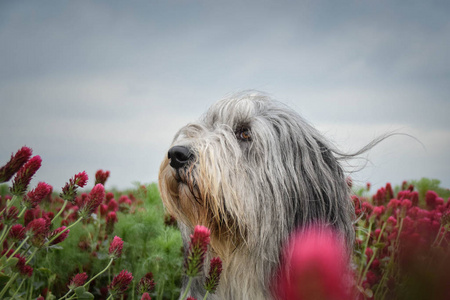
86 296
79 290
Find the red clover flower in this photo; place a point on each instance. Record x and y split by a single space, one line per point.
101 177
15 163
197 250
37 229
69 191
115 248
95 198
17 232
23 177
215 269
77 280
34 197
120 283
146 284
60 238
146 296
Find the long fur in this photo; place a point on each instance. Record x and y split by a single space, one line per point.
253 193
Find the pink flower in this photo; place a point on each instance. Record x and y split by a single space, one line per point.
430 199
15 163
197 250
146 284
61 237
37 229
120 283
146 296
17 233
101 177
95 198
23 177
190 298
69 191
35 196
115 248
81 179
215 269
78 280
314 266
113 206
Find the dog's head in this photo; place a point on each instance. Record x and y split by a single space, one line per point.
252 170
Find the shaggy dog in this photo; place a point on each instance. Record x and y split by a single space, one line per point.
252 171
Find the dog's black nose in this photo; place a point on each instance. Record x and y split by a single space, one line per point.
179 156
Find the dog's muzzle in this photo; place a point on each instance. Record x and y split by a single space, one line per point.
179 156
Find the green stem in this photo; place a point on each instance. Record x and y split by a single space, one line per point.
18 289
32 255
206 295
4 233
363 254
18 248
110 262
367 267
110 297
60 211
187 288
65 296
21 212
6 287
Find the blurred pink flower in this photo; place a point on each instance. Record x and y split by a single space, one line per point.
146 284
60 238
15 163
146 296
17 232
37 229
314 266
115 248
78 280
120 283
24 175
101 177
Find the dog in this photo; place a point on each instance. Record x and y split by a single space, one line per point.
253 171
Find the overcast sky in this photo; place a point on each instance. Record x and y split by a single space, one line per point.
106 85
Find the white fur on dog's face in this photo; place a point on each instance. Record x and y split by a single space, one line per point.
258 171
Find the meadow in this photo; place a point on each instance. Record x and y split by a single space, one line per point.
85 241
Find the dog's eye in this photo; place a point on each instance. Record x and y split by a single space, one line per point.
244 134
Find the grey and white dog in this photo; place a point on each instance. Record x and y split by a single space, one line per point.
252 171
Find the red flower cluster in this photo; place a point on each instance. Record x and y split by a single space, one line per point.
405 238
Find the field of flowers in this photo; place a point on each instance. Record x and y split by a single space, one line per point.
84 242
